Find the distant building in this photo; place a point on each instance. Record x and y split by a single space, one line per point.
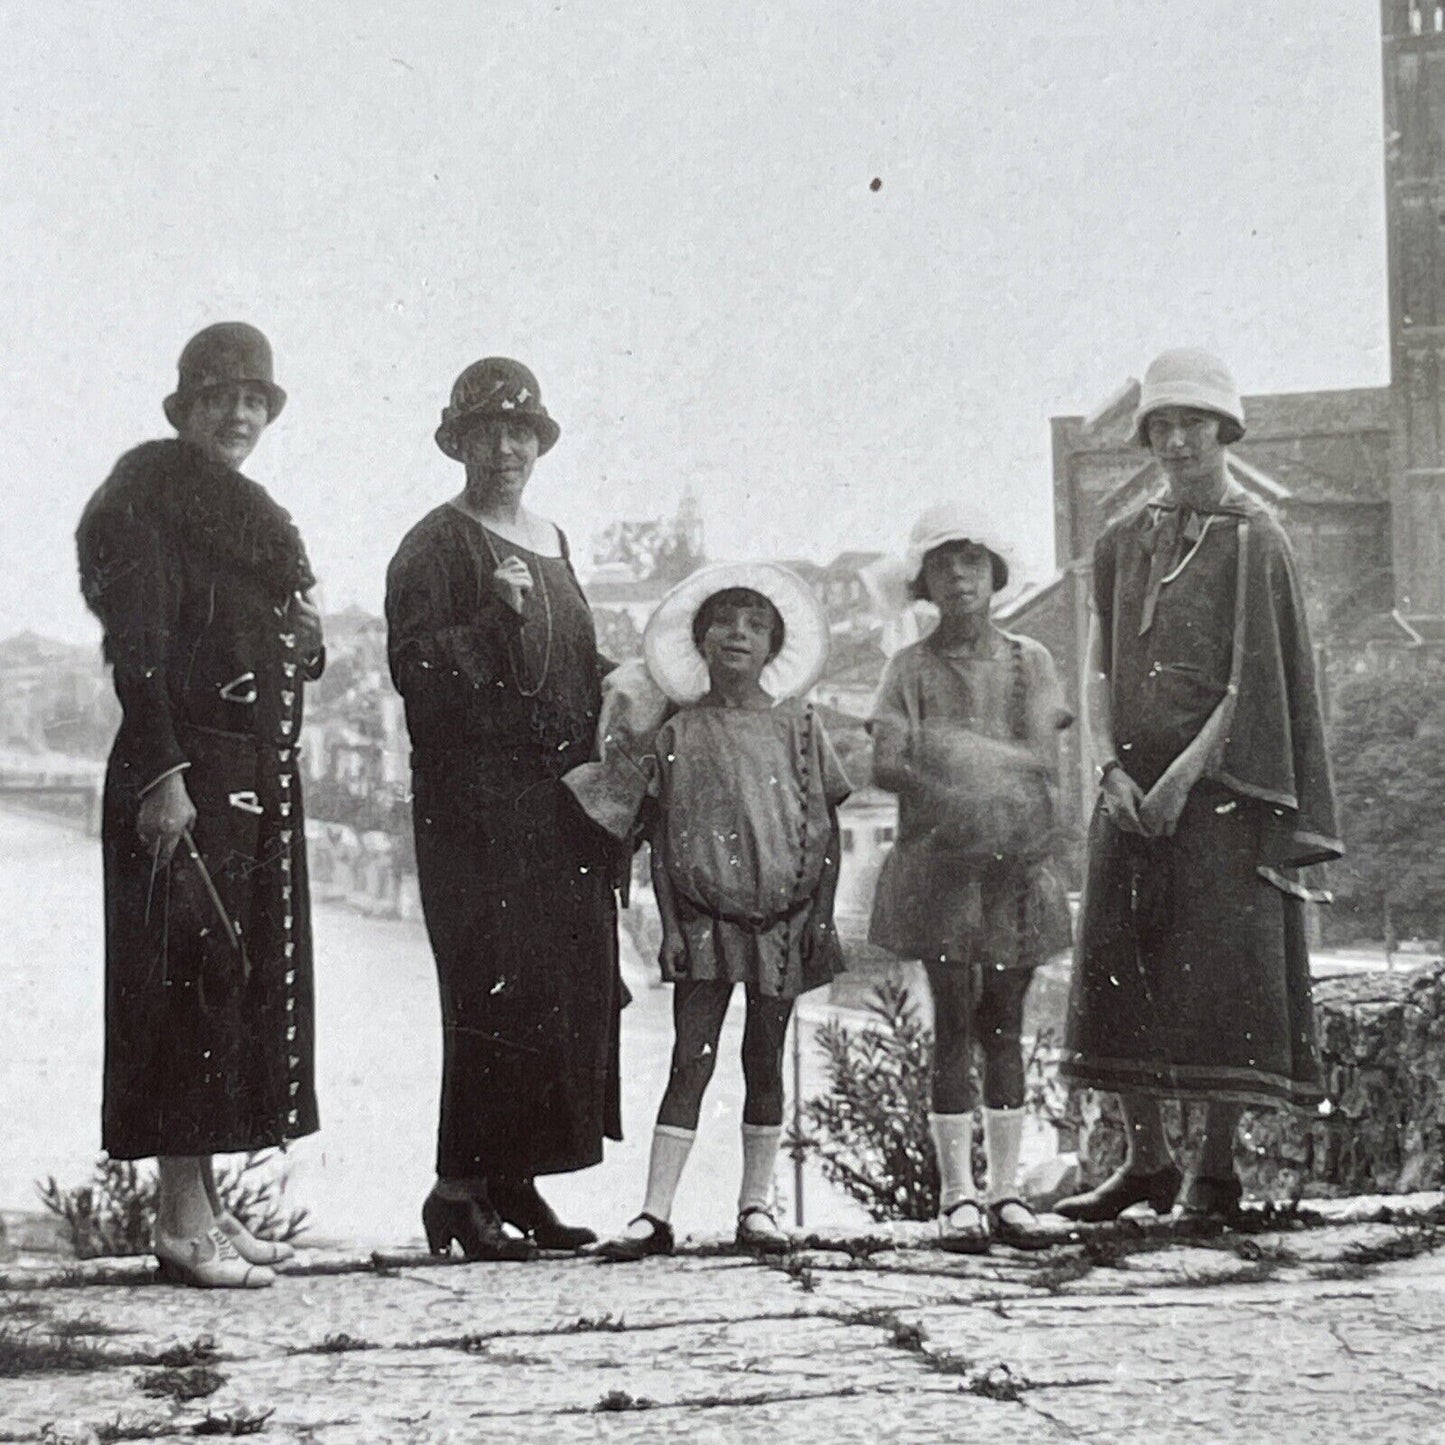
55 696
1357 476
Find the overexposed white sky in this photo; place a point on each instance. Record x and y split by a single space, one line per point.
665 211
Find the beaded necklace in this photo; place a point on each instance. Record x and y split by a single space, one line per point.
519 657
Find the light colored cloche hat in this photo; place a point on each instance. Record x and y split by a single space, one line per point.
1193 378
945 523
495 386
678 667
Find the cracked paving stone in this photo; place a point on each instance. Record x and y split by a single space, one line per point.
1172 1344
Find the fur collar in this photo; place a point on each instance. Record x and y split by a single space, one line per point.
209 509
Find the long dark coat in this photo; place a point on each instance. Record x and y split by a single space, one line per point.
1191 978
192 570
515 878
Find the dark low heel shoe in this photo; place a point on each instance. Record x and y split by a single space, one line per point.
519 1204
1120 1190
476 1229
629 1248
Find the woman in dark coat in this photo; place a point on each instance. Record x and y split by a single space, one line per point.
492 648
199 581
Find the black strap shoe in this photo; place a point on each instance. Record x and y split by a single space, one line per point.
1121 1190
628 1248
1007 1228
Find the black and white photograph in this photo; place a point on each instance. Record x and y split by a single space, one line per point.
723 722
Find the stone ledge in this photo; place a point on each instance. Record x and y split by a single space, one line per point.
1422 1208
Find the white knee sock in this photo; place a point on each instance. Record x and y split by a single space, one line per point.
760 1153
670 1148
953 1143
1003 1132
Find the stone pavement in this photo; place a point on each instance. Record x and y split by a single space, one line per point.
1136 1332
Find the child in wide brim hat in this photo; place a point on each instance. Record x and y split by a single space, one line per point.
744 860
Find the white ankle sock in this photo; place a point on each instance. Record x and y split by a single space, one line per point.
670 1148
760 1153
953 1143
1003 1132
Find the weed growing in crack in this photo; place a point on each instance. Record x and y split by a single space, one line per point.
1106 1253
998 1383
193 1384
50 1435
1253 1252
202 1350
338 1344
33 1351
799 1270
238 1422
83 1327
593 1324
1066 1270
134 1429
879 1317
617 1401
1340 1270
1405 1243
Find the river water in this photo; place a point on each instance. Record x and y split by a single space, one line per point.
378 1065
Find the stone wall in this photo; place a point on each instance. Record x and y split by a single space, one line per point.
1382 1041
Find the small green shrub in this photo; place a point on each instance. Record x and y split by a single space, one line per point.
115 1213
870 1129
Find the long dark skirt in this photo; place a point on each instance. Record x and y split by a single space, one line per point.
517 894
200 1059
1191 976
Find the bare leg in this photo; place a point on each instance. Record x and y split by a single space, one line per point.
1148 1149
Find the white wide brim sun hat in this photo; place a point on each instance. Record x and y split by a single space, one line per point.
676 665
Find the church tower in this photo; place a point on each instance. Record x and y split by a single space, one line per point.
1414 65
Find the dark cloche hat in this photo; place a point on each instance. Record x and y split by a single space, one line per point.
223 355
495 386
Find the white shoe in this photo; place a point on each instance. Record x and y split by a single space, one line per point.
251 1249
209 1261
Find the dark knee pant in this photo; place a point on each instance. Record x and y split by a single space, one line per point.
699 1007
984 1005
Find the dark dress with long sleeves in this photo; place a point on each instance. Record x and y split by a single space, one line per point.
191 569
515 879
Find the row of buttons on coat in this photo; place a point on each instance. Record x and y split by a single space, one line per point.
286 777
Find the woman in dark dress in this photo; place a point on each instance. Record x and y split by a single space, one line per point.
199 580
492 648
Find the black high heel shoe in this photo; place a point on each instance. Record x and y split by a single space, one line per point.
1121 1189
475 1226
519 1205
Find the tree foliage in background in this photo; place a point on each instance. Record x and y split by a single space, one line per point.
115 1213
1387 743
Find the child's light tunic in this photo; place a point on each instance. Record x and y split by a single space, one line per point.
744 836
